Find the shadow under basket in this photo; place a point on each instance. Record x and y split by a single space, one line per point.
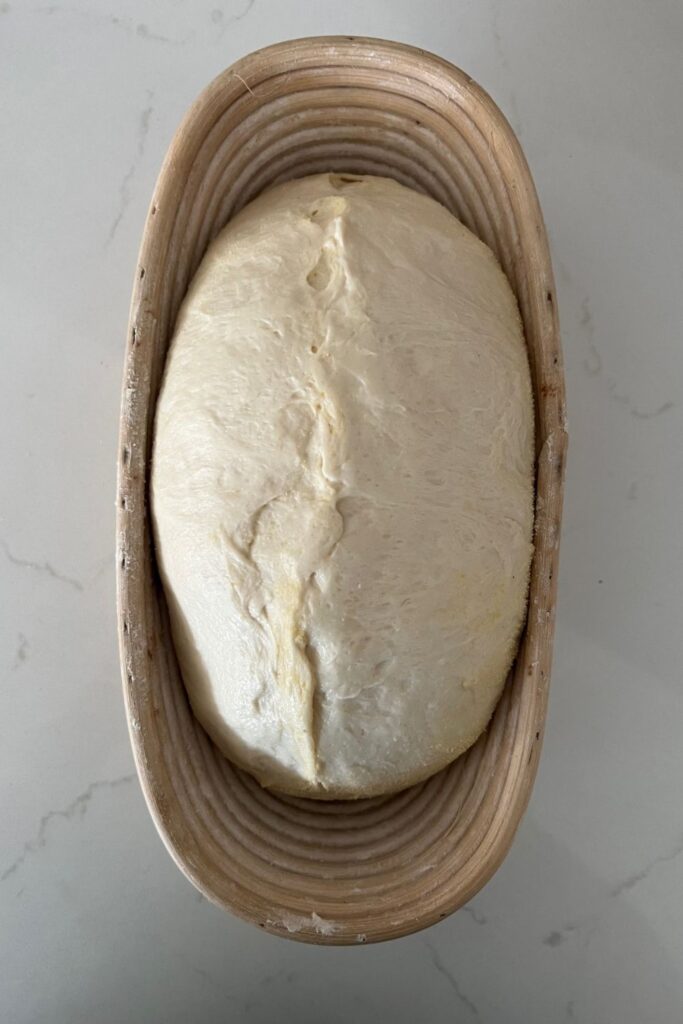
335 872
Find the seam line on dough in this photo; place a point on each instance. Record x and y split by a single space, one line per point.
311 496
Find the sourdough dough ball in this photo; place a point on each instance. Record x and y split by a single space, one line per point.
342 486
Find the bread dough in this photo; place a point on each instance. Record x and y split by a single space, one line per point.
342 486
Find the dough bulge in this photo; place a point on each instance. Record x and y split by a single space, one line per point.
342 486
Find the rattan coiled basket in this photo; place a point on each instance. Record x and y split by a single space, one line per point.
344 872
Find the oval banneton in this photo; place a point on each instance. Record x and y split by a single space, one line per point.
337 872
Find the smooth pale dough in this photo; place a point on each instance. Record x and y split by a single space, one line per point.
342 486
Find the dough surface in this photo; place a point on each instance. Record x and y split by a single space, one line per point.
342 486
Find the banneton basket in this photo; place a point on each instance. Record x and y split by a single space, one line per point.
333 872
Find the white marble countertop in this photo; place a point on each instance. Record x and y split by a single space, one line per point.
584 922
